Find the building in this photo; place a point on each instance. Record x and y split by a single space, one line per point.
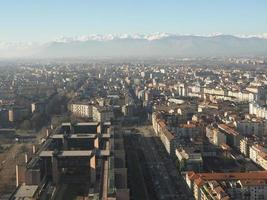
189 160
102 114
81 109
261 97
86 159
17 114
226 186
166 137
215 136
38 107
257 110
254 126
245 144
232 136
258 154
186 130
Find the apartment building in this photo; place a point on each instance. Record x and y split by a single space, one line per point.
226 186
82 109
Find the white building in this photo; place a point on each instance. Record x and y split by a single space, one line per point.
258 155
81 109
245 144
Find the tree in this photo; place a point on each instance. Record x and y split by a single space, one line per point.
26 125
38 120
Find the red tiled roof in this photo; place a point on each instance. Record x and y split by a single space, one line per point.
255 175
228 130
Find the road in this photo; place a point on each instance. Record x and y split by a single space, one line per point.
167 183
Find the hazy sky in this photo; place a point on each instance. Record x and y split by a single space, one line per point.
44 20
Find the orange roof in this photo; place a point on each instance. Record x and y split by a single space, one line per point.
255 175
262 154
199 182
162 124
228 130
188 125
168 134
252 182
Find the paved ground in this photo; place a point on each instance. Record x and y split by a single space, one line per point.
136 177
8 162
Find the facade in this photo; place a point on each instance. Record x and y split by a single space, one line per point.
232 136
245 144
166 137
215 136
38 107
256 109
261 97
252 127
17 114
81 110
186 130
258 154
102 114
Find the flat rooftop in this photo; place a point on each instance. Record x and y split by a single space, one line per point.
75 153
75 136
87 123
255 175
80 136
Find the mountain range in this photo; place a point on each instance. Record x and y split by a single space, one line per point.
153 45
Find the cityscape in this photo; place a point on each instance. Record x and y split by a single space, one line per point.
136 116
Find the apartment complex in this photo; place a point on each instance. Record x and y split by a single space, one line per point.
85 159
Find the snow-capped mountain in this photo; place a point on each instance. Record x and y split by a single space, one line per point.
143 45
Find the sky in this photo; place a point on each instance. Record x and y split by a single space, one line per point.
45 20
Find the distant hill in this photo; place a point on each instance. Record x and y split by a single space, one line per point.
154 46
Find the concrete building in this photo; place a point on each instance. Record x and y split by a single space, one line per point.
86 159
